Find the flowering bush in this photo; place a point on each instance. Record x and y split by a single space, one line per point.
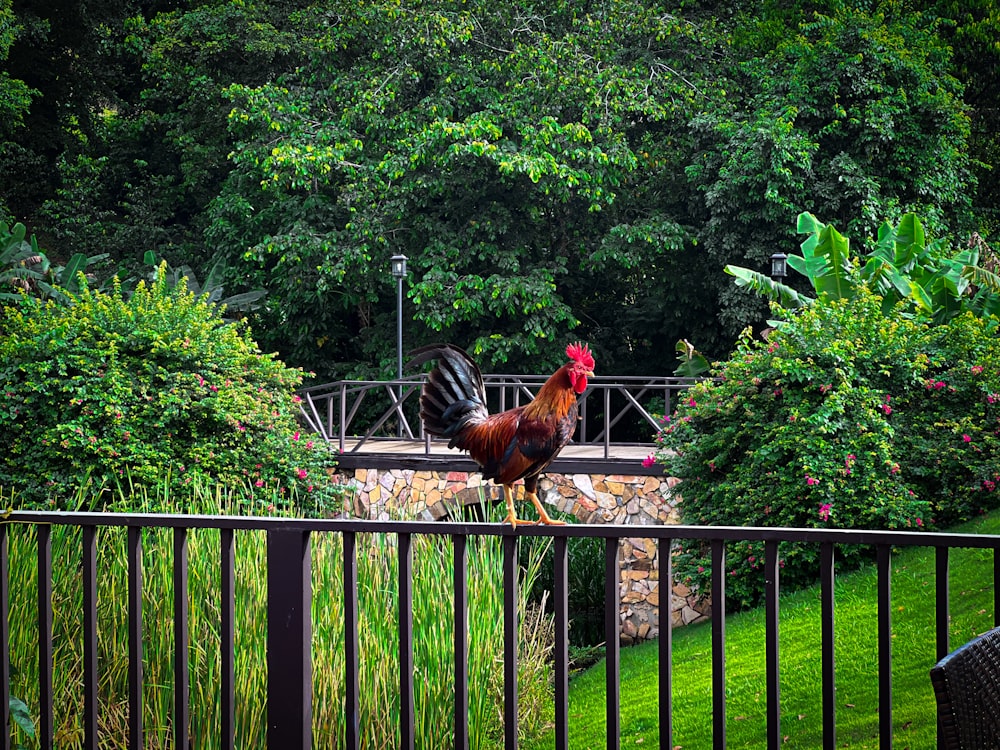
837 421
152 390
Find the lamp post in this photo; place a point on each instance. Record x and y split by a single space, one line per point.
398 263
779 267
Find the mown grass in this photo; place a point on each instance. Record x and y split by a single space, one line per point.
913 654
378 636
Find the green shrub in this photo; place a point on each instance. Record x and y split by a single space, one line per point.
837 421
149 390
948 432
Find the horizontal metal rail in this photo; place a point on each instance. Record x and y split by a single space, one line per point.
289 618
613 410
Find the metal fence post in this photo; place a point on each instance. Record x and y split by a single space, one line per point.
289 636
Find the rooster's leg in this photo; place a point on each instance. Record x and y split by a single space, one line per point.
512 518
543 516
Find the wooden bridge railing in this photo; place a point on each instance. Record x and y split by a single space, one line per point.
613 410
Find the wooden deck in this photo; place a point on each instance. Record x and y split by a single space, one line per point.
415 454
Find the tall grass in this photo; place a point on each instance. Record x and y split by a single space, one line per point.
378 638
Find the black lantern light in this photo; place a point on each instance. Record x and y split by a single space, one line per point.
779 266
398 266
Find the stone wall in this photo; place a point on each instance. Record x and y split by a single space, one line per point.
593 498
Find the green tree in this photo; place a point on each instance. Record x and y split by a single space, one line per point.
525 165
155 159
854 116
15 94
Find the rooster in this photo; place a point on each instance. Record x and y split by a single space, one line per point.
515 444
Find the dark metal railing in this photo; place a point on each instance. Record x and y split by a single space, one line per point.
289 623
613 410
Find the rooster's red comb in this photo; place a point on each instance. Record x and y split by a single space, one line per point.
580 353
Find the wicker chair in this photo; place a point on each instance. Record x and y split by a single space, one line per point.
967 688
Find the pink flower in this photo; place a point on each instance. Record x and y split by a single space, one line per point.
295 436
309 444
920 522
967 438
692 402
811 481
296 399
824 511
648 461
977 369
259 483
886 409
301 473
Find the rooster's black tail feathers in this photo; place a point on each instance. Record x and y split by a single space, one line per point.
453 396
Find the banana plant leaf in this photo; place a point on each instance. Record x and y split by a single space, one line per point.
765 285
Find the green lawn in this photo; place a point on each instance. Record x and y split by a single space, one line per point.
857 664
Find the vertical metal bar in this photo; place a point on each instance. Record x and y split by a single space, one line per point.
827 645
227 638
607 422
718 644
510 725
44 636
583 419
461 580
942 609
405 613
328 427
351 659
560 586
90 677
883 558
666 644
399 331
343 415
996 587
289 640
941 600
4 638
772 644
135 673
612 641
181 722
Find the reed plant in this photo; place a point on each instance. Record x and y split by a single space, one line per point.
433 625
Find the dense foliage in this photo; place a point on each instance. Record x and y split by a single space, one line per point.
153 389
582 167
851 413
